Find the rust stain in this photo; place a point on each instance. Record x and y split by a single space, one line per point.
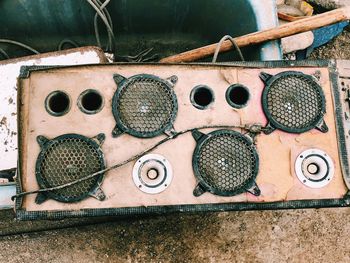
3 121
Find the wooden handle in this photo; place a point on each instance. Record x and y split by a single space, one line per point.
307 24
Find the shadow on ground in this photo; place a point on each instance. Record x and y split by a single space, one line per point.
259 236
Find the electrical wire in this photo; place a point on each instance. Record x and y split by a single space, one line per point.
67 41
101 11
98 10
105 11
4 54
102 7
97 35
8 41
218 47
255 128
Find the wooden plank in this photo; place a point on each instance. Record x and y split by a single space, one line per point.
307 24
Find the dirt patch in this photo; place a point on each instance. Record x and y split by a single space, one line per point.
261 236
338 48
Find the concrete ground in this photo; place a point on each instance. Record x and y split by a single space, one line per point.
261 236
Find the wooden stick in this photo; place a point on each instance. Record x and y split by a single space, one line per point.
307 24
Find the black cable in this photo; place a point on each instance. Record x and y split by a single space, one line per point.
252 128
99 11
4 54
104 10
65 42
218 47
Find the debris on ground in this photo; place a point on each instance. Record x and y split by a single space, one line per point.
300 46
330 4
337 48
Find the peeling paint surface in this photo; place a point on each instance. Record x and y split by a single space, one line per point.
9 72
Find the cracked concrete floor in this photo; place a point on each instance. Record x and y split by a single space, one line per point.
314 235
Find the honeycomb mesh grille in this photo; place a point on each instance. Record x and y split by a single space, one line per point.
146 105
66 160
227 162
295 102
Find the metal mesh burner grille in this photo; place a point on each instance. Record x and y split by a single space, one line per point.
294 102
66 159
145 106
226 163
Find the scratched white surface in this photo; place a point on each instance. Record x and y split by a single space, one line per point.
8 95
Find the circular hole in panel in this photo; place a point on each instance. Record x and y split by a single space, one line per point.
90 101
57 103
202 97
237 96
